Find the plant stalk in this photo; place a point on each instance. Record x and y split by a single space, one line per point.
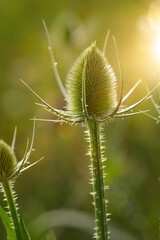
95 139
12 208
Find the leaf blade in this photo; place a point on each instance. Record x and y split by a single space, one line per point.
24 231
8 224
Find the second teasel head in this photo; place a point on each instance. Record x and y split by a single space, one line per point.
8 161
10 167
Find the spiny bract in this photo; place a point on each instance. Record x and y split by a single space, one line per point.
7 160
99 80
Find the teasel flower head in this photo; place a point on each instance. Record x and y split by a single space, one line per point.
10 167
92 76
91 89
8 160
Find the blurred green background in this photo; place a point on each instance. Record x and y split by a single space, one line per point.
60 183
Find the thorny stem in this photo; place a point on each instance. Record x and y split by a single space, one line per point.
95 139
12 208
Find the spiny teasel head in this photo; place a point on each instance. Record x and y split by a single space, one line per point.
8 160
91 89
10 168
99 91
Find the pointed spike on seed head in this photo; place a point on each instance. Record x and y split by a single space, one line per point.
100 84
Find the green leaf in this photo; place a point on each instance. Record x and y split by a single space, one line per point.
8 224
24 231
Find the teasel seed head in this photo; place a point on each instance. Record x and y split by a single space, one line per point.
99 80
8 160
10 167
91 89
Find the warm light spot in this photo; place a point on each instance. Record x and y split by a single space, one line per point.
154 22
157 46
154 15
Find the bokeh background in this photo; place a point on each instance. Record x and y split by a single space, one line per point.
55 193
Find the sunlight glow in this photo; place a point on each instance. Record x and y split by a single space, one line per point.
157 46
154 21
154 15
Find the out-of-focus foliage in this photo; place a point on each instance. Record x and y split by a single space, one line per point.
60 181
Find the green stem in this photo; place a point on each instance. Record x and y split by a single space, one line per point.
12 208
95 140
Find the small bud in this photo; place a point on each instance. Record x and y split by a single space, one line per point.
100 84
7 161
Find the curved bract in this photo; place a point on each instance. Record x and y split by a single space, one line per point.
99 84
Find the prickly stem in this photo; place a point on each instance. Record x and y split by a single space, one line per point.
12 207
95 142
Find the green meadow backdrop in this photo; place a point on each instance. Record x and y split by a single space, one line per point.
59 185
